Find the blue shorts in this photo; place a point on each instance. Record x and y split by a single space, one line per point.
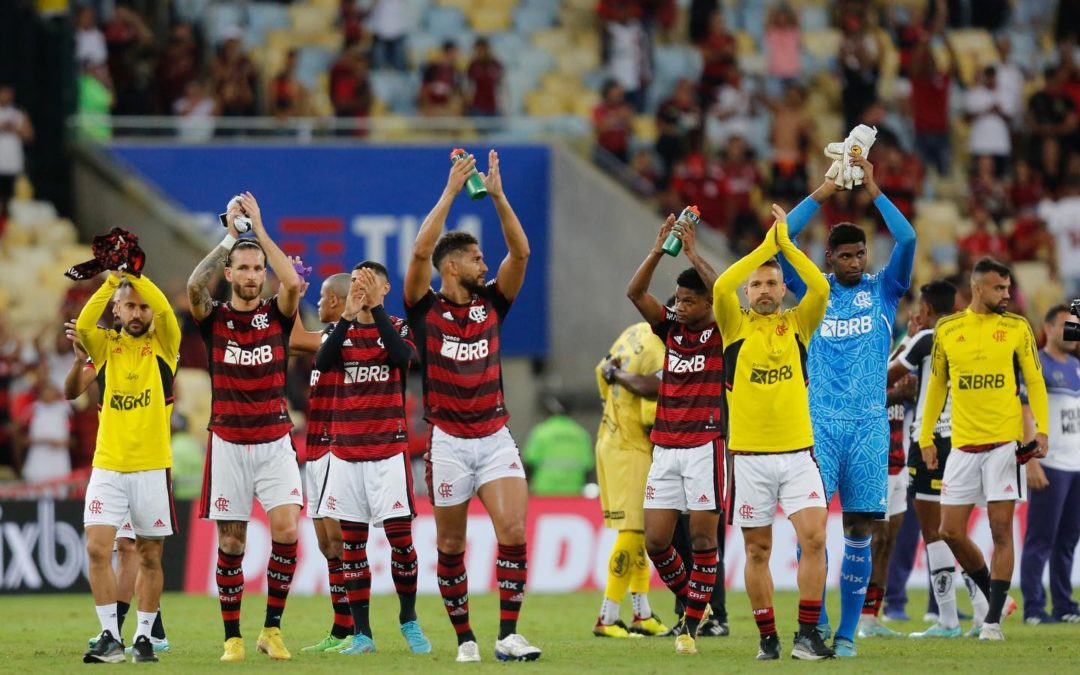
853 456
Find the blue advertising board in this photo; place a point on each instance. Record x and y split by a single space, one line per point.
335 206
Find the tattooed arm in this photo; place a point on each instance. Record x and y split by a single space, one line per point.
198 285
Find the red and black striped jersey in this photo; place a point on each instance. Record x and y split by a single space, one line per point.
897 436
689 407
369 408
459 353
321 407
249 355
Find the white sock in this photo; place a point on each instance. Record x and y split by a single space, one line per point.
642 610
107 616
979 604
144 624
609 612
942 569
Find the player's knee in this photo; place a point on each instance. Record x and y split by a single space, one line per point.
951 535
655 544
331 548
231 544
1001 533
150 557
451 543
99 553
812 542
702 542
758 554
512 534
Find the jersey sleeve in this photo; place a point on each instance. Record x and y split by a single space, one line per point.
729 315
206 324
417 311
936 392
662 329
166 327
1027 353
499 301
917 350
897 272
94 338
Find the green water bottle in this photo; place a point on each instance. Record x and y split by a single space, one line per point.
474 185
672 245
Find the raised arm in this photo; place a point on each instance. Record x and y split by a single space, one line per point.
92 337
418 275
638 291
198 285
81 373
797 220
902 259
288 299
303 340
166 327
726 289
395 342
511 274
688 235
811 308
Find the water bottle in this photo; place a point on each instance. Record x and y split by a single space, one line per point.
474 185
672 245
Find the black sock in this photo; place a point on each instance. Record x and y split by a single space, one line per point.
982 580
121 612
158 629
407 604
999 589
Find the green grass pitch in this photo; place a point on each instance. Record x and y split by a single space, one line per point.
48 634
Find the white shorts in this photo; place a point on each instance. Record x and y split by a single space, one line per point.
146 495
239 473
125 531
898 489
761 481
979 477
686 479
314 472
459 466
367 492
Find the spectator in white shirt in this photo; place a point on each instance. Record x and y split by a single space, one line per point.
1062 220
15 129
626 56
89 40
1010 80
986 109
389 23
48 454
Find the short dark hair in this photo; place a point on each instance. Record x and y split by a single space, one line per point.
242 244
376 267
845 233
451 242
773 263
940 295
690 279
124 283
1052 313
988 264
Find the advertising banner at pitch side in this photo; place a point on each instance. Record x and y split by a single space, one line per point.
337 205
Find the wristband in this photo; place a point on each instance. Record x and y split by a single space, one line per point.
228 242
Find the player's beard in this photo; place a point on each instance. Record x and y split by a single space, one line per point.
474 286
136 332
246 292
764 306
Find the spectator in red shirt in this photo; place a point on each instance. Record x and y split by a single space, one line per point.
986 240
899 175
130 43
288 96
352 22
989 191
485 74
440 87
177 65
350 89
742 186
700 181
613 121
233 76
1026 190
680 124
718 57
1029 239
929 106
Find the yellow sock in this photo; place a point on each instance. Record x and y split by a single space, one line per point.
640 571
621 564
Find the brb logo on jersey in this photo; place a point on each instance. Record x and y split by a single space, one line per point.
248 357
260 321
770 375
841 328
681 366
357 374
129 402
988 381
454 349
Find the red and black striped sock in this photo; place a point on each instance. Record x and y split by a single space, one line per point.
342 627
279 576
672 572
872 604
511 571
809 614
357 574
700 588
403 566
765 618
230 583
454 588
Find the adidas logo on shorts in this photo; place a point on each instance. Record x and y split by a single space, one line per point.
814 495
1008 488
703 499
513 465
295 492
397 505
158 523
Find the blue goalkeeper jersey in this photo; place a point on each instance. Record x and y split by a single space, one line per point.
848 357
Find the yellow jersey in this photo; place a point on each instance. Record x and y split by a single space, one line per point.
978 356
765 354
627 416
135 376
